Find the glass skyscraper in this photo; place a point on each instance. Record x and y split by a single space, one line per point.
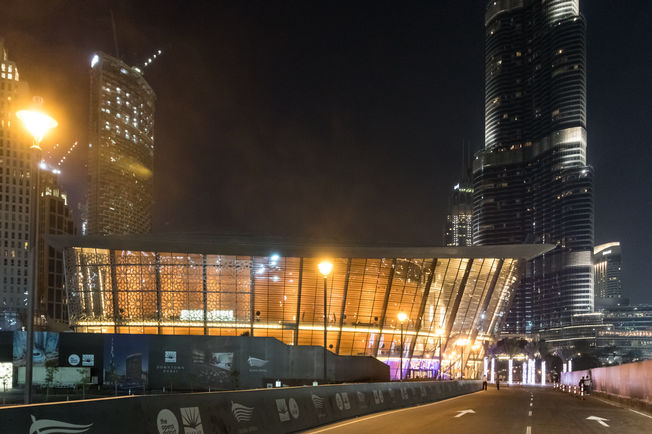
121 154
531 181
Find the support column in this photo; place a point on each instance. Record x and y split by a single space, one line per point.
422 308
487 300
117 318
252 297
159 304
295 341
456 304
346 290
384 310
205 293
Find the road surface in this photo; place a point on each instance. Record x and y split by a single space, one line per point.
518 410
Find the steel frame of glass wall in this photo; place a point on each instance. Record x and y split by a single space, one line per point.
448 300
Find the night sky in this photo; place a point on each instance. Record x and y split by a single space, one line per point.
331 119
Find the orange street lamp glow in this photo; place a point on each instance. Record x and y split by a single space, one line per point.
325 268
402 316
37 123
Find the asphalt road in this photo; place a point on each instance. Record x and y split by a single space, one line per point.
519 410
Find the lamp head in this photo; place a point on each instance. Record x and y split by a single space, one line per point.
325 268
402 316
37 123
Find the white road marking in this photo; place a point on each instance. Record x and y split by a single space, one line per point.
642 414
530 404
528 430
463 412
360 419
599 420
530 413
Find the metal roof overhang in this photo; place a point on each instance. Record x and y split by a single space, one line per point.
266 246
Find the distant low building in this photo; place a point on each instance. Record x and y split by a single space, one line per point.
615 334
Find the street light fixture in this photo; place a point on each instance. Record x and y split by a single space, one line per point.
38 124
402 317
325 268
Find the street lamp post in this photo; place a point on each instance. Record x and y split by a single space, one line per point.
38 124
325 268
401 317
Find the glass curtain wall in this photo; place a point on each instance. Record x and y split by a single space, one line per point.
450 302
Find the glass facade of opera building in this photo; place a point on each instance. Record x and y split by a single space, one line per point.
454 298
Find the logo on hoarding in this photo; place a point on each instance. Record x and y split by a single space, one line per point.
361 399
338 401
170 357
317 401
242 413
88 359
44 426
282 408
167 422
294 408
73 359
345 399
191 420
255 362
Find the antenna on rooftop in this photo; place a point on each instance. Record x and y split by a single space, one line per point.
115 35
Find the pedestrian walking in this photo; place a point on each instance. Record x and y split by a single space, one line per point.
484 382
498 383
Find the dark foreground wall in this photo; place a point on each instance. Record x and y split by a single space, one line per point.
265 411
188 363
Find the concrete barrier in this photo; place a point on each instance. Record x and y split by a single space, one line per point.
280 410
630 383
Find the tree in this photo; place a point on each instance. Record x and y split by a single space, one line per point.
51 371
84 380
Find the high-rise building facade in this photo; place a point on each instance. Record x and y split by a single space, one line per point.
459 230
55 219
15 164
608 269
531 181
121 154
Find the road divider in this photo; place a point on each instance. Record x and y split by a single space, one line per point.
279 410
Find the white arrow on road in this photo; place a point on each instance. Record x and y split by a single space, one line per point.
461 413
599 420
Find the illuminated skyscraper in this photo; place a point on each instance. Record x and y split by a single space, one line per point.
121 154
532 182
608 269
459 230
15 260
55 219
